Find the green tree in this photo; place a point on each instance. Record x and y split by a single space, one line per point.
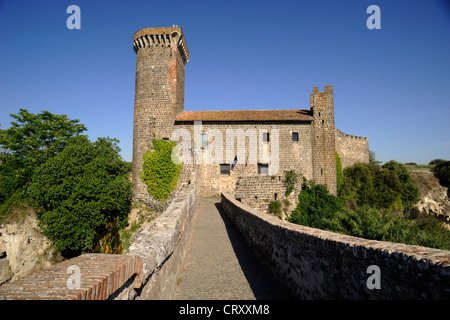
159 172
29 142
316 207
410 193
371 185
79 191
441 170
372 158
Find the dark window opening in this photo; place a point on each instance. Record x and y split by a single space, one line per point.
263 168
266 137
294 136
225 169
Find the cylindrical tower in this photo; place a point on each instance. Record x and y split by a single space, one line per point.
161 54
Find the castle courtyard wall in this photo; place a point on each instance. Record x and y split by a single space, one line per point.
351 149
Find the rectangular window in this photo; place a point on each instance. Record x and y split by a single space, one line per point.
294 136
263 168
266 137
204 140
225 169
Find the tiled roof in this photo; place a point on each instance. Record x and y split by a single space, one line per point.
247 115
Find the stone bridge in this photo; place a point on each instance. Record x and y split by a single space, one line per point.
218 248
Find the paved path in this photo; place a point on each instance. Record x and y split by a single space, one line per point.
219 265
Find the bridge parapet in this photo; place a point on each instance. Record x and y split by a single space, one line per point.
318 264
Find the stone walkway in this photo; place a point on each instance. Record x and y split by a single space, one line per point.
219 264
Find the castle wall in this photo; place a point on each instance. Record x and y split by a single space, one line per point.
292 155
351 149
258 191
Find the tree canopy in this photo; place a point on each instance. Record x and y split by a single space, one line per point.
80 190
30 141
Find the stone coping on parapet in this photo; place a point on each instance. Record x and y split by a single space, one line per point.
418 253
342 134
165 31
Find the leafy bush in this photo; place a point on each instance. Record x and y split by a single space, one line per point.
316 207
79 191
159 172
387 222
436 161
375 186
410 193
441 170
339 174
275 208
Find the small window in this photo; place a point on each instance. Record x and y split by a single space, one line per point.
204 140
263 168
225 169
266 137
294 136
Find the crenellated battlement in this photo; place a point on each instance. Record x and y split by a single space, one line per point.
163 37
340 134
328 90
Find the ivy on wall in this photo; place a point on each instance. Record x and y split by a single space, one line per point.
290 179
159 172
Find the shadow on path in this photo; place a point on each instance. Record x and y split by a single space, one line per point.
261 280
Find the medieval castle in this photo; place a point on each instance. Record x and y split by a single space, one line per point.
252 149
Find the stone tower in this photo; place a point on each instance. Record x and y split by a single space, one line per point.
324 155
161 54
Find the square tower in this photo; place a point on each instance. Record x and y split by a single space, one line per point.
324 150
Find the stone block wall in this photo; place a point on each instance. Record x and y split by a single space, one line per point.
293 155
259 191
161 55
317 264
162 245
351 149
324 157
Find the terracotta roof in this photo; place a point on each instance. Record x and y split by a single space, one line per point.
247 115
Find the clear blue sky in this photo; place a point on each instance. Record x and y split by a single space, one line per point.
391 85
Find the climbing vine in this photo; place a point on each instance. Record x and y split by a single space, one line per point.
159 172
290 179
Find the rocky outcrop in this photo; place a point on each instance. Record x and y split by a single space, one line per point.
434 198
23 249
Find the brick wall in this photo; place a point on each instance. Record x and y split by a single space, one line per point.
317 264
102 276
